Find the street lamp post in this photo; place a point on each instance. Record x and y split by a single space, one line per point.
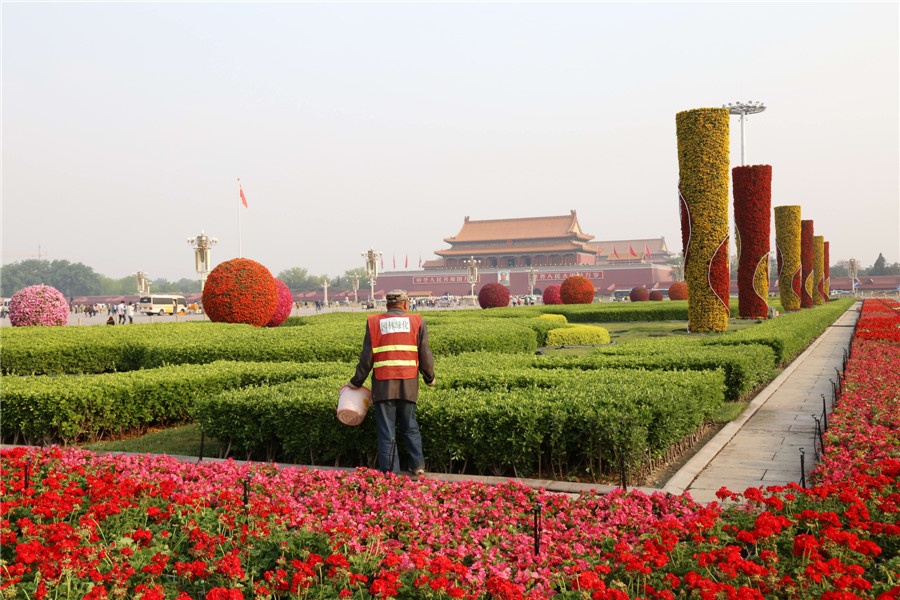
143 284
355 283
472 273
854 273
371 256
202 244
325 285
743 109
532 279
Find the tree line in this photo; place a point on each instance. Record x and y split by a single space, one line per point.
78 279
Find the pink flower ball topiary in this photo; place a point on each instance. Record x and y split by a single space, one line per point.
38 305
551 294
577 290
493 295
678 291
285 304
240 290
639 294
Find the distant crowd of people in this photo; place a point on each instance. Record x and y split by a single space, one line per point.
120 312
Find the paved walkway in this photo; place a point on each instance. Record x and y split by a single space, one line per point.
762 446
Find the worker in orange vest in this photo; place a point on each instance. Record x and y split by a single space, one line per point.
396 350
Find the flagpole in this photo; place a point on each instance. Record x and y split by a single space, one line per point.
240 241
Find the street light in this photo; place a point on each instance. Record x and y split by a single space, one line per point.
532 279
854 273
371 256
143 284
472 273
202 244
354 280
743 109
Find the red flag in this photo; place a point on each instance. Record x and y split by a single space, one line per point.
243 199
615 252
420 261
598 251
630 249
394 258
382 262
647 251
406 264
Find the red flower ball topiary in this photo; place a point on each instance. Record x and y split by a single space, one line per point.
240 290
493 295
576 290
655 296
285 304
678 291
639 294
551 294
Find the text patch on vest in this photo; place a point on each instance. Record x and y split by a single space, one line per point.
394 325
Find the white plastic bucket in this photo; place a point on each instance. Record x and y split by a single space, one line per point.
353 405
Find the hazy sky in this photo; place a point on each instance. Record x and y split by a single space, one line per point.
125 126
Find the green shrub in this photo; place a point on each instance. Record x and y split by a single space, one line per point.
578 335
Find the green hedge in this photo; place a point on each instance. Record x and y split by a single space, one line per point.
508 423
789 334
578 335
86 407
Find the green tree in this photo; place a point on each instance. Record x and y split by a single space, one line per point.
840 269
298 279
71 279
880 266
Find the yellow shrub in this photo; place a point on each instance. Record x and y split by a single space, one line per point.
578 335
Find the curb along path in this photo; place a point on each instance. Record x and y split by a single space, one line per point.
762 446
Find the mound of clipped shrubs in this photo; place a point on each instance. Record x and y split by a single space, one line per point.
577 290
38 305
240 290
655 296
639 294
551 294
493 295
678 291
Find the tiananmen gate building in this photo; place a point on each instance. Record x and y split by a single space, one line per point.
555 247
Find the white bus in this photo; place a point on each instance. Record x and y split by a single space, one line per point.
162 304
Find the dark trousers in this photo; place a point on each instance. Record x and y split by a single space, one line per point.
403 414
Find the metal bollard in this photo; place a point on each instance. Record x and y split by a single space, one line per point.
821 449
824 412
537 529
802 468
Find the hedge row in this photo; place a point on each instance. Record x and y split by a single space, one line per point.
512 422
87 407
577 335
789 334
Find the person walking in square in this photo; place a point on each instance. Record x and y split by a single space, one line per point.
395 349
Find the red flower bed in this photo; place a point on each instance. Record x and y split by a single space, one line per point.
577 290
240 290
78 525
678 291
752 187
493 295
806 263
285 304
639 294
551 294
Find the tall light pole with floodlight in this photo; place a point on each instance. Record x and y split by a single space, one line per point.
202 244
472 273
371 256
143 284
743 109
532 279
354 282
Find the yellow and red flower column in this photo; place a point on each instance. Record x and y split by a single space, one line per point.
827 271
807 262
819 296
787 245
752 214
703 196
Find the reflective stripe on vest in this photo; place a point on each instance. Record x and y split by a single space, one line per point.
395 345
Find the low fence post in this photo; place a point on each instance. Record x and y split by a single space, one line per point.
802 468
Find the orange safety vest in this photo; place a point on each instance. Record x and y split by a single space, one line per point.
395 345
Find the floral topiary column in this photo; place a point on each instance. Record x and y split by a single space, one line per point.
787 245
827 271
703 196
752 209
819 296
807 262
